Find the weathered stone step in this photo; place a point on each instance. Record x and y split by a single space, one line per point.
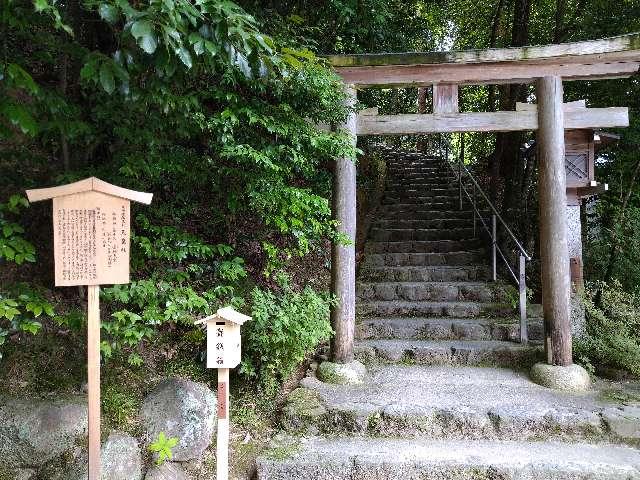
392 235
428 246
402 224
448 352
422 190
424 274
408 166
420 178
478 403
417 328
432 291
387 308
427 207
424 213
425 259
422 181
419 199
348 458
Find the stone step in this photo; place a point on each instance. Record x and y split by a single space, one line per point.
346 458
402 176
395 308
444 402
422 207
417 328
420 177
421 213
397 182
432 291
424 259
433 246
422 190
431 207
448 352
407 167
442 223
393 235
419 199
424 274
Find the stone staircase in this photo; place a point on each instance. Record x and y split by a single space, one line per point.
447 395
424 294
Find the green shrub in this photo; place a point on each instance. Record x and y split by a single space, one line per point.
285 327
612 336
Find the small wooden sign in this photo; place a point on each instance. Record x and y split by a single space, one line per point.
223 353
223 338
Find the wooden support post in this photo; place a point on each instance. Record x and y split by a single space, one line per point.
222 442
553 218
445 98
494 248
522 289
93 379
343 257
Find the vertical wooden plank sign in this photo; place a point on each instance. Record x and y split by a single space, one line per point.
223 353
91 231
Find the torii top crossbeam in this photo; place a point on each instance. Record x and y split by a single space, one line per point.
614 57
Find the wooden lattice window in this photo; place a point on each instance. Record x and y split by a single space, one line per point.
576 166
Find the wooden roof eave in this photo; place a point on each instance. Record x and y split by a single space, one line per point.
595 59
87 185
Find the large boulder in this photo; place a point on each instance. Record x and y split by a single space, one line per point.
34 432
167 471
182 409
120 459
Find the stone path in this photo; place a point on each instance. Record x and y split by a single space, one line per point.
432 330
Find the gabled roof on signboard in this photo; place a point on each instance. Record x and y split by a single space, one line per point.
226 313
87 185
231 315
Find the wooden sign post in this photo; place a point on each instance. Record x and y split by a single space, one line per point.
223 353
91 230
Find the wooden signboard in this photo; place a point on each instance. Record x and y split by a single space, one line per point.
91 237
223 353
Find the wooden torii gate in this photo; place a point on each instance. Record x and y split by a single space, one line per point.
546 66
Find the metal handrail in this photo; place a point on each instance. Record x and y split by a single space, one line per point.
520 279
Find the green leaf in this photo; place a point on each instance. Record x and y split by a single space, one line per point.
148 43
108 13
141 28
185 56
40 5
106 78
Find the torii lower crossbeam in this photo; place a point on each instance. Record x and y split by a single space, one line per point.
410 124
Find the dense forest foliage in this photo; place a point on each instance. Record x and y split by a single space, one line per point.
211 105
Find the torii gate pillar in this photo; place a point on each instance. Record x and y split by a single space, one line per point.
343 257
553 222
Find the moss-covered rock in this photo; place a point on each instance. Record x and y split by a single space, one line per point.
352 373
302 410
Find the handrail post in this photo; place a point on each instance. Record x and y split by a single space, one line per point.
524 337
460 181
474 210
494 240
